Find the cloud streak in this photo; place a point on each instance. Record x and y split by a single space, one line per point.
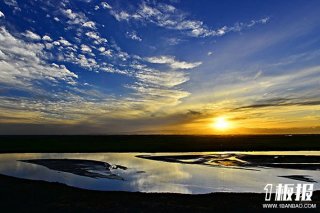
133 35
167 16
172 62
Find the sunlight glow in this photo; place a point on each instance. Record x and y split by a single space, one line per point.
221 124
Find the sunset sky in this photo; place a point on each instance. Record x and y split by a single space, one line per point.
159 67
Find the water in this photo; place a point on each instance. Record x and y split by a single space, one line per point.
149 175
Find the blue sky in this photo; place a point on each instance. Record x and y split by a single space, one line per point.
109 67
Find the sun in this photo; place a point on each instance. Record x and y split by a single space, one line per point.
221 124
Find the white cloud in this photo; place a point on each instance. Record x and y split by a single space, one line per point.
46 38
29 64
31 35
48 45
172 62
164 79
209 53
23 62
101 49
70 14
80 59
86 48
133 35
237 27
111 69
64 42
264 20
105 5
56 43
107 53
95 36
90 24
1 14
169 17
166 16
122 15
159 97
75 18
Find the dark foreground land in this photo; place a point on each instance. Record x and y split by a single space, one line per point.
18 195
157 143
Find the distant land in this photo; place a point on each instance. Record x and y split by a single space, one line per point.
156 143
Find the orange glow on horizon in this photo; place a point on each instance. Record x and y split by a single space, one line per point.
221 124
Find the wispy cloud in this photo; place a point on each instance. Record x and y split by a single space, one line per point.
133 35
77 18
173 41
165 79
13 3
172 62
96 37
31 35
280 102
167 16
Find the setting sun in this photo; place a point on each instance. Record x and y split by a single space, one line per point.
221 124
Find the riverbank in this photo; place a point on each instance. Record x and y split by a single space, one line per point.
20 195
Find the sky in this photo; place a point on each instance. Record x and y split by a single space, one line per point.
159 67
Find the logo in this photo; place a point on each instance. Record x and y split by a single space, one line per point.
289 192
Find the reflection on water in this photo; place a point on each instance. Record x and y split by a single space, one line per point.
194 173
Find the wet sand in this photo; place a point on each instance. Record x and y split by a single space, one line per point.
87 168
243 161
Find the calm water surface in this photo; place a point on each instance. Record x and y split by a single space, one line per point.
149 175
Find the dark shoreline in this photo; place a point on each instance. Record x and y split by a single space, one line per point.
20 195
156 143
